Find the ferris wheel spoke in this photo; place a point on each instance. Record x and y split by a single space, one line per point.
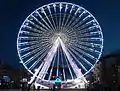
84 20
73 65
56 16
28 48
52 67
72 9
80 26
77 11
32 66
28 38
84 59
57 62
68 17
45 48
29 53
77 59
54 6
91 39
75 22
26 43
35 25
89 29
43 20
63 22
44 70
60 5
91 34
33 52
35 75
48 19
30 43
68 66
68 58
42 73
32 29
44 26
27 33
73 19
32 47
86 54
35 56
64 75
71 33
87 49
90 45
31 59
51 16
90 23
39 59
49 59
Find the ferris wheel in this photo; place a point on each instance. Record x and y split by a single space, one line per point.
59 39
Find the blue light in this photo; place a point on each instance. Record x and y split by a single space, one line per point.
58 80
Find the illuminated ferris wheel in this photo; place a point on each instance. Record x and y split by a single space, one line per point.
59 40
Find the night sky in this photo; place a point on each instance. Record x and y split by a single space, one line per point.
14 12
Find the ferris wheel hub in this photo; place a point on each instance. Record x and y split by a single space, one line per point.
62 36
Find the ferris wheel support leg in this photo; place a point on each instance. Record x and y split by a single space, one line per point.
34 76
48 61
73 65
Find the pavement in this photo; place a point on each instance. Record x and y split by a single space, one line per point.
44 90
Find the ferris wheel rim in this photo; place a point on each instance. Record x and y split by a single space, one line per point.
58 3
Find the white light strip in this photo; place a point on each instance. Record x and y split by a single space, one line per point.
48 60
73 65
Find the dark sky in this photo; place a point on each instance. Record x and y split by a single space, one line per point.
14 12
